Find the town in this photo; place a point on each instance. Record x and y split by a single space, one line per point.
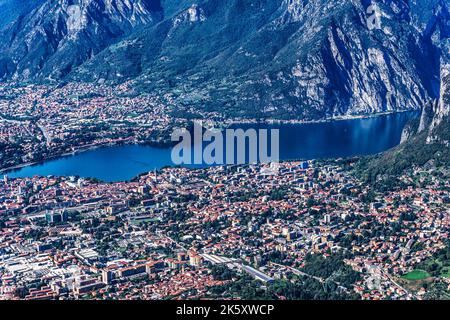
230 232
39 122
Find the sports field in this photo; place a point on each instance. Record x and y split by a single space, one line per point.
416 275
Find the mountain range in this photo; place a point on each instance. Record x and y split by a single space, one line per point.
289 59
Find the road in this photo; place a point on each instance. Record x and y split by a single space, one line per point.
44 131
298 272
389 277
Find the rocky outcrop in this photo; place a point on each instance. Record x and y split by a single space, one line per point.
438 131
442 109
438 111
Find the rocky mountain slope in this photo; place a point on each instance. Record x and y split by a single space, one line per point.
425 142
258 58
59 35
10 10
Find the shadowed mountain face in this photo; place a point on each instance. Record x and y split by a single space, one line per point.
258 58
425 143
10 10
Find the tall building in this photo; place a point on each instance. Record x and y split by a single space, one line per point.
107 276
56 216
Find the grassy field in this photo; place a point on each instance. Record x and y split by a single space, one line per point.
416 275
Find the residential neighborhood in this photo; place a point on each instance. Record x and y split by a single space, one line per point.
165 234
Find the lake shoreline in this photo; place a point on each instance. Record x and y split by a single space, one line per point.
76 152
328 120
160 145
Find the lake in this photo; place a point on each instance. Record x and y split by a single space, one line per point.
335 139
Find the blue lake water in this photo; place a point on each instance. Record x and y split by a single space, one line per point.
297 141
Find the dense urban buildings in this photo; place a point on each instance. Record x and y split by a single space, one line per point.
179 233
83 76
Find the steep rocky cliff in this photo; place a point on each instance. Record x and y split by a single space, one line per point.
424 142
439 129
437 111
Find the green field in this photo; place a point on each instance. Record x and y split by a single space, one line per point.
416 275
